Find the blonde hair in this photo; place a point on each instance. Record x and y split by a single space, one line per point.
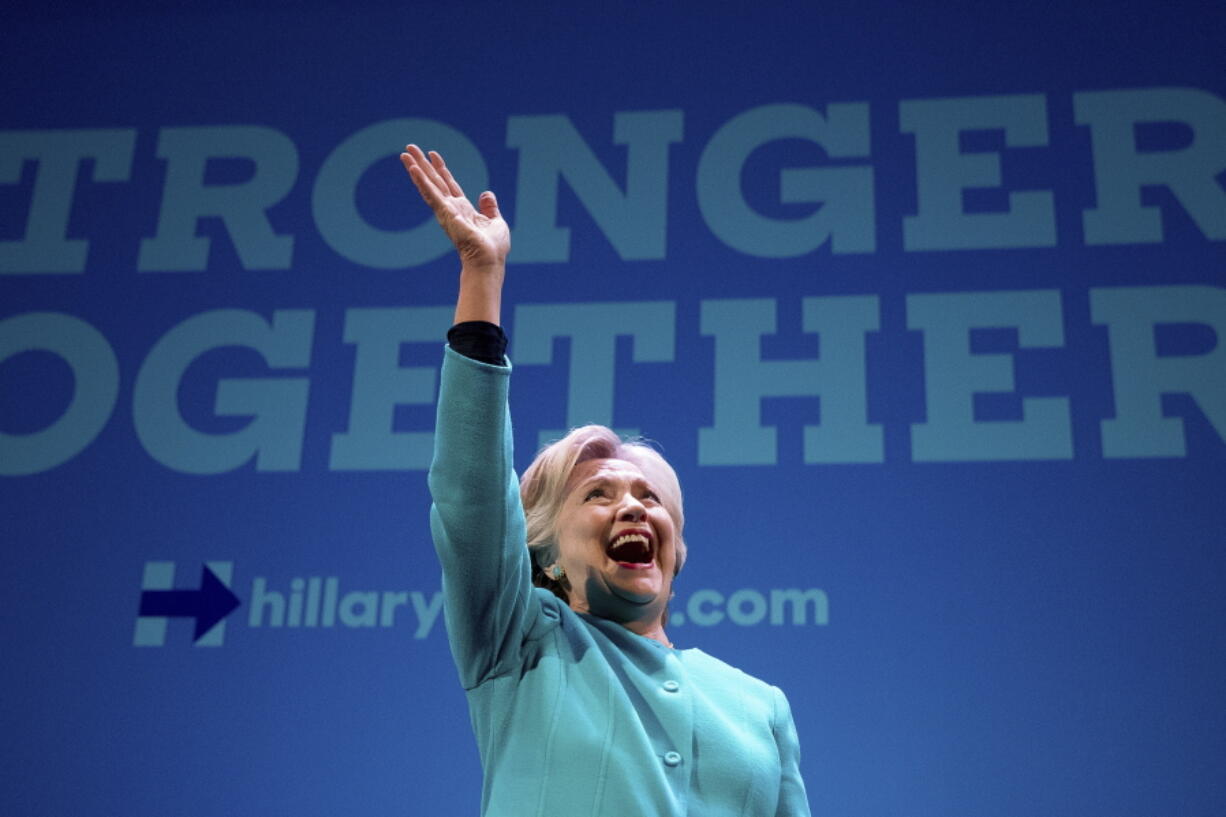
543 490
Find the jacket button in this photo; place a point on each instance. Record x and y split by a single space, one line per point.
672 759
671 686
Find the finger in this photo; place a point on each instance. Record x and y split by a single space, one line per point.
415 153
441 167
406 159
424 187
415 158
423 164
429 171
488 203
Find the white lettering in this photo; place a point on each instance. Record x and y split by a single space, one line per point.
58 154
845 194
551 149
242 206
1141 375
95 373
1121 170
278 405
952 375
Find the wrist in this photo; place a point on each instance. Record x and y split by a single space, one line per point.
480 296
483 270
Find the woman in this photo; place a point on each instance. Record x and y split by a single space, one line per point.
580 703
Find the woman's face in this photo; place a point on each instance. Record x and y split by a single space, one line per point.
616 542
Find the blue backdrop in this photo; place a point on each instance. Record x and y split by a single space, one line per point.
926 307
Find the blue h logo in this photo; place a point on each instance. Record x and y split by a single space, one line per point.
159 602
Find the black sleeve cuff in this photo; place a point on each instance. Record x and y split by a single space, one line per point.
479 340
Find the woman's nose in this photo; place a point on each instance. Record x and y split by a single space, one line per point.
631 510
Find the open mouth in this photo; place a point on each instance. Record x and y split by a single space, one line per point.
631 549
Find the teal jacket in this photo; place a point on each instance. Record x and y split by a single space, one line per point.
576 716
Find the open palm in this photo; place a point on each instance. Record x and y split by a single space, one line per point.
479 234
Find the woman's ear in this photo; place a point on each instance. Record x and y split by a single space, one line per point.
545 555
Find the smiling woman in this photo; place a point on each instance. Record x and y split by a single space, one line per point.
556 595
618 503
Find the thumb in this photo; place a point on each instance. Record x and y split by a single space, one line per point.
488 205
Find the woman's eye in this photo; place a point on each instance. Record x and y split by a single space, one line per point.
651 495
592 494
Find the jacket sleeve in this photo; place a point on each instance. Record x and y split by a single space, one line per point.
793 801
477 521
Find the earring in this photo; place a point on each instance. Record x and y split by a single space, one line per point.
557 572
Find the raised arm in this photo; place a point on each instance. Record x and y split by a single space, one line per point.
476 519
480 235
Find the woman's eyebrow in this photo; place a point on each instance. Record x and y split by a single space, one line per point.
604 479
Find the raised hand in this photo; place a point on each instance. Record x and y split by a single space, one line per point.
479 234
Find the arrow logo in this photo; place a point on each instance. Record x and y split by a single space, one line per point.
208 605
